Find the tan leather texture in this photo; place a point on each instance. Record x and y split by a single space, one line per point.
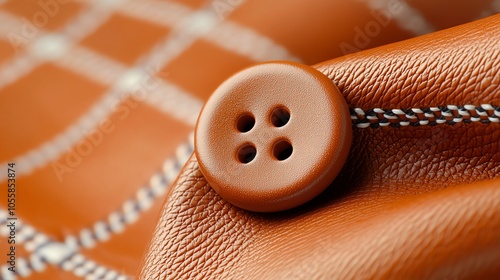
411 202
99 99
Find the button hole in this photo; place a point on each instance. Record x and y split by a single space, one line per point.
280 116
282 150
245 123
247 153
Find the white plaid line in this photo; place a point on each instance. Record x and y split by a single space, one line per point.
23 63
158 186
496 6
44 251
163 13
172 100
61 143
92 65
65 255
129 212
95 15
183 35
131 208
123 81
165 97
207 25
407 17
247 42
10 23
493 9
15 68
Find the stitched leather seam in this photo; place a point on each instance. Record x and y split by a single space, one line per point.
45 251
450 114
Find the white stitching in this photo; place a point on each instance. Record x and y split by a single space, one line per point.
89 269
130 208
141 202
450 114
45 251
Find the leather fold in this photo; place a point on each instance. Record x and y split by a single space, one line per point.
411 202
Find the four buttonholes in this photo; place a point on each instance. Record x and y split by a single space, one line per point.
282 149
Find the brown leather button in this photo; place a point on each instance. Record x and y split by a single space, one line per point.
273 136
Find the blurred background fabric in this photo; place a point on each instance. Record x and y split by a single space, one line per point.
99 98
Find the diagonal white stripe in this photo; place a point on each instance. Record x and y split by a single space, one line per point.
10 24
157 186
184 34
92 65
166 97
173 100
87 22
19 65
160 94
494 8
406 16
15 68
88 268
79 27
162 13
96 13
129 212
44 251
207 24
495 5
247 42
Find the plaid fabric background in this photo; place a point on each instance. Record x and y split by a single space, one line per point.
98 101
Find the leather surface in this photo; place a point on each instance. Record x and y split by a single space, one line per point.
411 202
88 154
54 104
93 161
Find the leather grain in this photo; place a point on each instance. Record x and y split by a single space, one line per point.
453 233
411 202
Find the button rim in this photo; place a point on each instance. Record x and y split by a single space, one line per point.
278 202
